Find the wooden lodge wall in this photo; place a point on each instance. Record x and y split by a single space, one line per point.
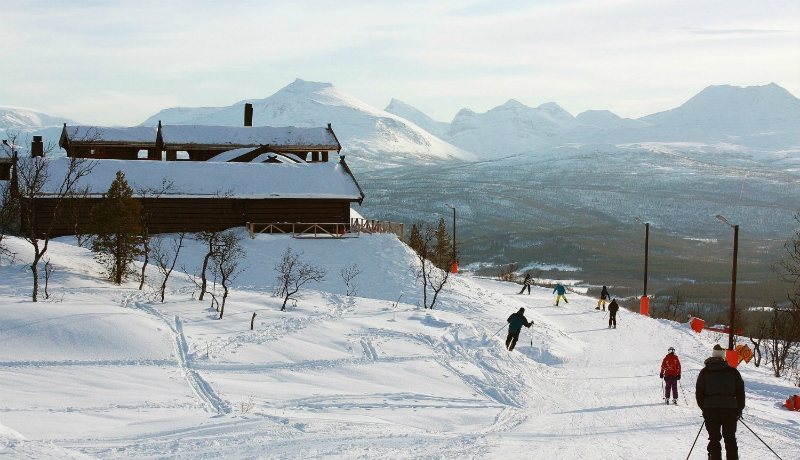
170 215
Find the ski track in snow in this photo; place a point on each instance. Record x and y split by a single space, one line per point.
571 389
201 389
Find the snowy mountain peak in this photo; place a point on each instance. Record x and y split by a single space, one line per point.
304 86
397 104
512 104
750 98
416 116
754 115
555 111
369 136
464 113
509 129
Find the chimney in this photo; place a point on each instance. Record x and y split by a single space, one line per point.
37 147
248 114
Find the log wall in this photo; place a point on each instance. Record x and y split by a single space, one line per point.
169 215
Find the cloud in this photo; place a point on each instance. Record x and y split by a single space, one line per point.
582 54
735 32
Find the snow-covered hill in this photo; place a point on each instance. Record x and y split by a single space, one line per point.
101 371
27 120
370 137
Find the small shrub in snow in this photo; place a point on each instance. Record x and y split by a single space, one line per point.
348 275
293 274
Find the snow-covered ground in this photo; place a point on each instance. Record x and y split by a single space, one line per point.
101 371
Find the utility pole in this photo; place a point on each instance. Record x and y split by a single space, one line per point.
644 302
731 332
454 262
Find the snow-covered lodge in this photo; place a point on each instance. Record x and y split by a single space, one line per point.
218 176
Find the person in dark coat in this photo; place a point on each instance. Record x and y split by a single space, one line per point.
612 313
515 323
603 297
720 395
527 283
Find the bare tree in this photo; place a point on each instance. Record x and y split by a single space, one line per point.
756 339
674 308
211 239
165 257
148 192
33 183
294 274
508 272
9 215
75 212
423 240
785 321
783 339
227 257
48 270
348 275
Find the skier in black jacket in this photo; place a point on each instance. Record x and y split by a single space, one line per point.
720 394
603 297
515 323
526 283
612 313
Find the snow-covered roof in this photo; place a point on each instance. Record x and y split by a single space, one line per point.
320 180
173 136
99 134
248 136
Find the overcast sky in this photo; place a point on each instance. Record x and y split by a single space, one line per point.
107 62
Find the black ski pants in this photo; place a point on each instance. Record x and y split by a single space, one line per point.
612 319
725 419
525 286
512 338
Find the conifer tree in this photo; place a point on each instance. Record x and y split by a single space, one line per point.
415 237
116 224
443 252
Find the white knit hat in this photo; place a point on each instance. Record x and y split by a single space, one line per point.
718 352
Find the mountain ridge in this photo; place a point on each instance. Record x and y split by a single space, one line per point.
756 119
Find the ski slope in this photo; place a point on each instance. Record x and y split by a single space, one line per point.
101 371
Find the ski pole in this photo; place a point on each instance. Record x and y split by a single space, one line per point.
498 331
662 385
695 439
754 434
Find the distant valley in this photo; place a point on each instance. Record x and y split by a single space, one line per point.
538 186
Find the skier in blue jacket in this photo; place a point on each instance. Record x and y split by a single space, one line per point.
515 323
561 293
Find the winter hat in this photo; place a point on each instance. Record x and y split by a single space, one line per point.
718 352
671 349
521 310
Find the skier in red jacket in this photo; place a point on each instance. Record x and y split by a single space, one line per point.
671 373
